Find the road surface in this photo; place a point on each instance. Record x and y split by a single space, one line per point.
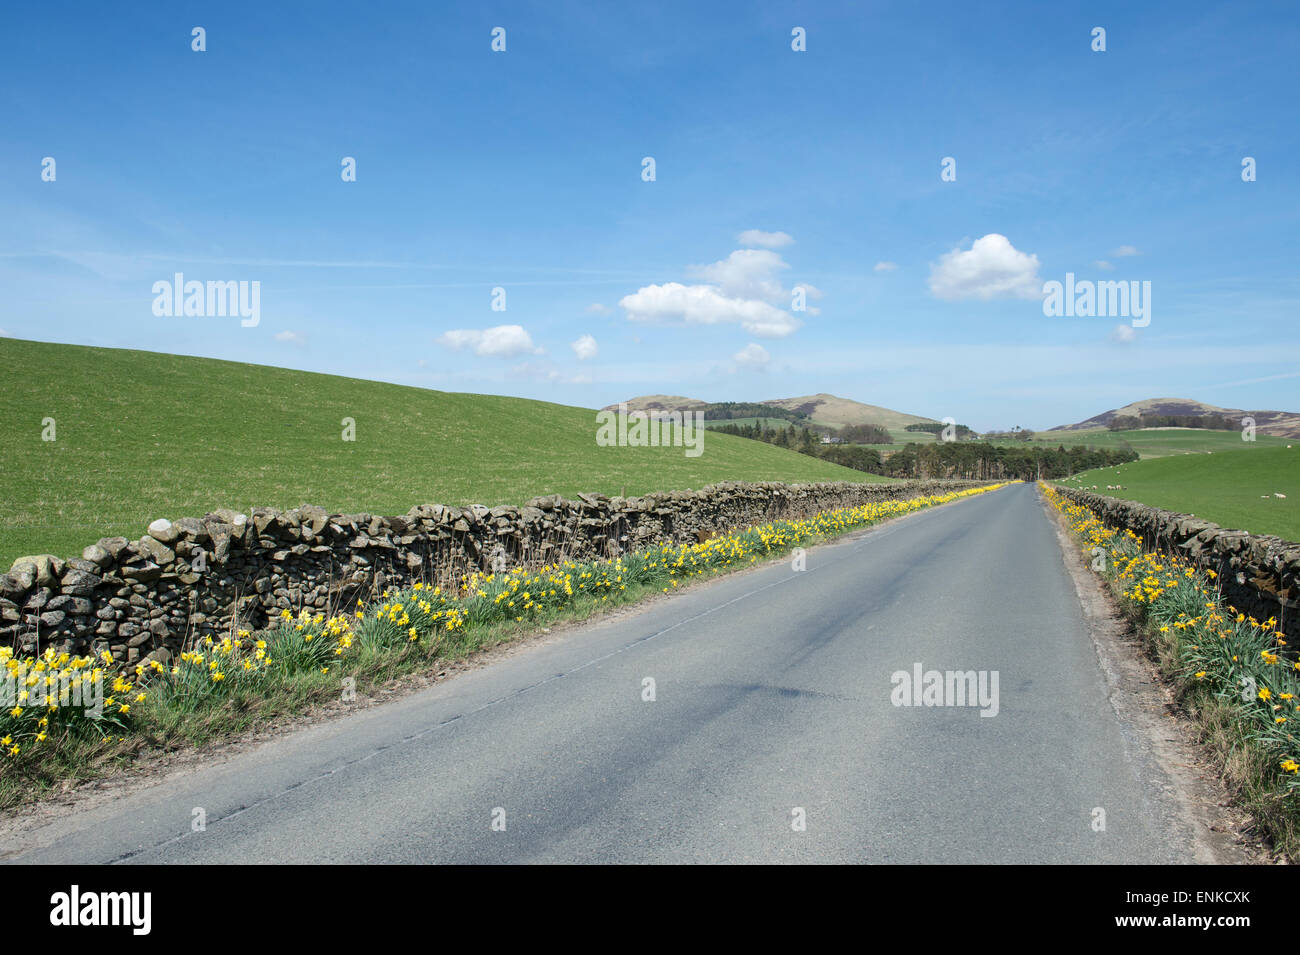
772 707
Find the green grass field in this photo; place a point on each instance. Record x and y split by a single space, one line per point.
1161 442
141 435
1233 489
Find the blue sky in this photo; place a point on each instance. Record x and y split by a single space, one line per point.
523 170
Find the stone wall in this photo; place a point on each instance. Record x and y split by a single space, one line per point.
1260 574
198 576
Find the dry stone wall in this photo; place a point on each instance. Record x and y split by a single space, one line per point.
193 577
1260 574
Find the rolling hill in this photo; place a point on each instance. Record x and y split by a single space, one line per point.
827 410
140 435
1284 424
832 410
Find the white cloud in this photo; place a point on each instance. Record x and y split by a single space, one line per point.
752 355
991 268
1123 334
595 308
292 338
585 348
746 273
706 305
886 266
500 341
1126 250
766 240
1105 266
743 289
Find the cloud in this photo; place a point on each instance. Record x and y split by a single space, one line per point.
886 267
741 289
706 305
991 268
595 308
1126 250
500 341
746 273
585 348
752 355
766 240
1123 334
292 338
1105 266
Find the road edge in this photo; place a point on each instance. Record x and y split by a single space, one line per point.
1224 833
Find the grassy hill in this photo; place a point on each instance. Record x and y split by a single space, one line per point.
837 412
1280 423
827 411
141 435
652 403
1234 489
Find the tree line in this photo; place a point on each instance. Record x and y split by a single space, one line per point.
1148 420
725 410
936 427
978 460
972 460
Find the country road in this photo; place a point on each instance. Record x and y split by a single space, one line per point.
772 695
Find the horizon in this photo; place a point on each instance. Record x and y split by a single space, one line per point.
625 400
819 221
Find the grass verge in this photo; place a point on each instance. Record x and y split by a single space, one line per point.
1233 675
220 690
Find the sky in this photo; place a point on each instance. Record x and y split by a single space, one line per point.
916 173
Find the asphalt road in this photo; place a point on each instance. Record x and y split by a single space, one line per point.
772 695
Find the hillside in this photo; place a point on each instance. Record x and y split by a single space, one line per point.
832 410
1235 489
822 409
660 403
140 435
1284 424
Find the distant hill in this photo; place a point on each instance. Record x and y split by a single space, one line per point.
660 403
833 410
1285 424
823 409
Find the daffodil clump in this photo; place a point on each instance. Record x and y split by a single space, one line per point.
212 668
1241 660
44 698
413 615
